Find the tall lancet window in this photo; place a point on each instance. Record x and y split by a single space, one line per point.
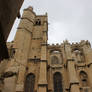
84 78
57 79
30 83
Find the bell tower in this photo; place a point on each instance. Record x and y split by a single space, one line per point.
31 43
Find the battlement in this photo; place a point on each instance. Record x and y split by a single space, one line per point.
81 43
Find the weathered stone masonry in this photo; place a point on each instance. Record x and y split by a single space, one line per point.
36 66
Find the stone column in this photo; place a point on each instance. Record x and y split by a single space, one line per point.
50 82
21 79
42 84
72 72
73 81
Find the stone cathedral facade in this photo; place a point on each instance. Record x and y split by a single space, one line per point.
36 66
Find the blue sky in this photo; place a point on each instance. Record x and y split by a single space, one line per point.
68 19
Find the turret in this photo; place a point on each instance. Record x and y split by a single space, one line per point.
22 41
24 32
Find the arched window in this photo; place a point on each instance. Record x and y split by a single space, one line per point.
57 79
38 22
30 83
54 60
84 78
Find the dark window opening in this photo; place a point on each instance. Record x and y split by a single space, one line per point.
38 22
57 79
30 83
54 60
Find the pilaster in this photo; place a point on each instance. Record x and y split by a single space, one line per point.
42 84
73 80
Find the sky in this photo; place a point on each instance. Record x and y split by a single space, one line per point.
68 19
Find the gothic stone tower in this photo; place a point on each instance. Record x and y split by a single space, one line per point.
36 66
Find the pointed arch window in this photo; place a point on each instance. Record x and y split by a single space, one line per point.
57 79
84 78
30 83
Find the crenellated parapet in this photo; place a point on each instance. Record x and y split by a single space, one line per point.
54 46
85 43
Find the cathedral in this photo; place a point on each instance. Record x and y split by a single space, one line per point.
36 66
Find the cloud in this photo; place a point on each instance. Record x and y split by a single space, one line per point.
68 19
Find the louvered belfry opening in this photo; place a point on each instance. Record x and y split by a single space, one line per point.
29 83
57 79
